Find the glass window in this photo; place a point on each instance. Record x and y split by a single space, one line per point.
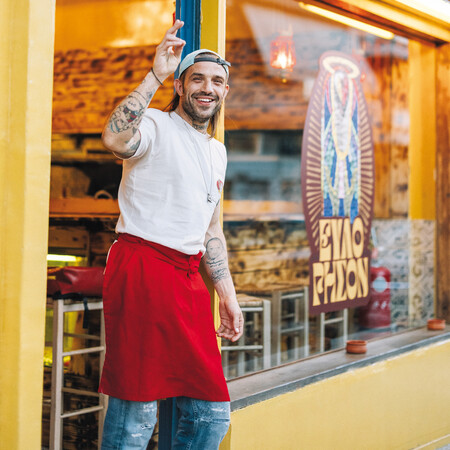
275 49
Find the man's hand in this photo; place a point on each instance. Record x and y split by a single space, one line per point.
168 52
231 320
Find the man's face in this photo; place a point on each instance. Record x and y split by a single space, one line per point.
203 90
214 248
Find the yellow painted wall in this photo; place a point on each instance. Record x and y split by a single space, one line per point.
400 403
422 138
26 74
213 38
408 14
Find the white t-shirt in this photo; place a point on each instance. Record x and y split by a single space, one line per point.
163 194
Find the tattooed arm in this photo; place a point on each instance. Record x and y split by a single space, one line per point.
216 264
121 133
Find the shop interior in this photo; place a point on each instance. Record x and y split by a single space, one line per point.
103 49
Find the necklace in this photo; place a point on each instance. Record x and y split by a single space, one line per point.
194 142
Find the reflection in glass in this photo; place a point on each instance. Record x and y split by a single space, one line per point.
263 213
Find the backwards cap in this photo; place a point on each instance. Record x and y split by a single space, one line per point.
202 55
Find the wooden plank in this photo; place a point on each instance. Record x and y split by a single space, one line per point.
270 235
399 167
83 207
101 241
247 208
443 183
267 281
267 259
68 238
378 96
88 84
68 182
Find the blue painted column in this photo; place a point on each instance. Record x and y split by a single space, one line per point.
189 12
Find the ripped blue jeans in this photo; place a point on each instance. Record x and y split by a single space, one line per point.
201 426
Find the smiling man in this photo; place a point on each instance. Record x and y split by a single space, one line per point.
160 336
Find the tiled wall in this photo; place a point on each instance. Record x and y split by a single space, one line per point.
406 248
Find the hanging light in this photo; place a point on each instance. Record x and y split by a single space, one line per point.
282 55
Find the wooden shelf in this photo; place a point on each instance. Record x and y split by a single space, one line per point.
84 207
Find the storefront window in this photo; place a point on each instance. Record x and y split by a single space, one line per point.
275 50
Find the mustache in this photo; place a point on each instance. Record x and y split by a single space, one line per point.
213 97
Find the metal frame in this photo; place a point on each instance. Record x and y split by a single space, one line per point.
57 415
300 319
260 308
342 319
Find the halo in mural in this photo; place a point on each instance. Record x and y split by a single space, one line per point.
338 179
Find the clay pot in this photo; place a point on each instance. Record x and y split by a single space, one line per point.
436 324
356 347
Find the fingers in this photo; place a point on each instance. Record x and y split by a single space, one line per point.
238 331
229 334
175 27
232 334
172 41
177 49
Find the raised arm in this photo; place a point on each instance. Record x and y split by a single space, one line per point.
121 133
216 264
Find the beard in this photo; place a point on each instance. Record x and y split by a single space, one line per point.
195 112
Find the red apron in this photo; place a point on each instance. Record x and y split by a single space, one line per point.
160 336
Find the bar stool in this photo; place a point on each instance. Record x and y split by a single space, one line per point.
57 415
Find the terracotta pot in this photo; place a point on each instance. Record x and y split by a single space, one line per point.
356 347
436 324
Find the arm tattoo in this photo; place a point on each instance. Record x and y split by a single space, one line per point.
216 260
129 113
134 142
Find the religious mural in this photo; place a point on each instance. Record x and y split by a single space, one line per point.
338 186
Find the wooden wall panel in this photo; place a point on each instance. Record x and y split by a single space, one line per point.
443 182
399 137
264 255
378 96
258 97
88 84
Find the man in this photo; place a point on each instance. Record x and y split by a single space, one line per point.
160 337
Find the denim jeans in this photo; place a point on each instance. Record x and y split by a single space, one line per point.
201 425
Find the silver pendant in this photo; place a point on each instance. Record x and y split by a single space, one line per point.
210 200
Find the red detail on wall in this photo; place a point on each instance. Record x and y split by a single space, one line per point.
377 313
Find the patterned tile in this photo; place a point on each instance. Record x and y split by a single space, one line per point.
421 272
406 248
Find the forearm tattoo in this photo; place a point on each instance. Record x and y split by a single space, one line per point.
216 260
134 142
129 113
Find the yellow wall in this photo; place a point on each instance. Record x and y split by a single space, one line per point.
400 403
26 74
408 14
213 38
422 138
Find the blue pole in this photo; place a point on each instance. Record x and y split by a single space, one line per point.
189 12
